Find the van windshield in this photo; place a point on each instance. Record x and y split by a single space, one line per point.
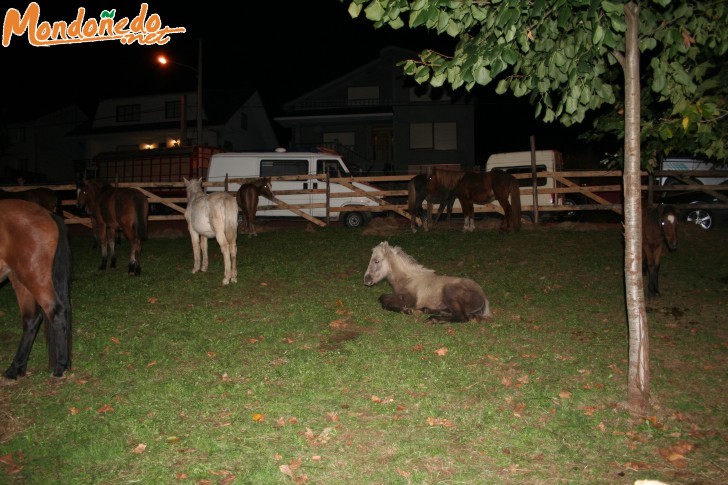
332 167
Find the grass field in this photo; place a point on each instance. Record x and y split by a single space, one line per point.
296 375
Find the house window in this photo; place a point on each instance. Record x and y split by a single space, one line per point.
244 121
172 109
363 96
128 112
16 135
433 136
343 138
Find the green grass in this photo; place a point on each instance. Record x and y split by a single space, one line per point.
296 375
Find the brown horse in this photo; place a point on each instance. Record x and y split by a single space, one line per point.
247 197
417 194
35 255
42 196
110 209
416 288
659 231
481 188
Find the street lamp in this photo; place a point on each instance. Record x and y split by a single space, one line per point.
163 60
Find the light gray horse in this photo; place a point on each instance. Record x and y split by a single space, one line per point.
416 288
212 215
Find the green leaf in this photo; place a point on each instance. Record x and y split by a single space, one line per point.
354 9
482 76
598 36
610 7
374 11
502 87
438 79
659 81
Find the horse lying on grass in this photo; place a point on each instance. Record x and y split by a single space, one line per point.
416 288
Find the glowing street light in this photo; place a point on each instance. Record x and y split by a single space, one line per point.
198 72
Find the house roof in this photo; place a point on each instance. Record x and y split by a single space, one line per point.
219 106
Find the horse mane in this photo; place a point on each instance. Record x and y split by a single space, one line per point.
448 178
410 263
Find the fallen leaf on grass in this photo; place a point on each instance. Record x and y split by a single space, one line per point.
565 395
152 299
440 422
115 340
258 417
140 448
106 408
74 410
675 454
441 351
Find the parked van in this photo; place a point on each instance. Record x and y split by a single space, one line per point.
691 165
310 193
546 161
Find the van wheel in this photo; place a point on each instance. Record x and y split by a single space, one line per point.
354 219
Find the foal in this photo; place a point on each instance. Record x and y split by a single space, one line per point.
416 288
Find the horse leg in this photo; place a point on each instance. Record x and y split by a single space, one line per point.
111 235
195 239
233 245
104 242
202 247
58 347
397 303
32 319
507 214
135 268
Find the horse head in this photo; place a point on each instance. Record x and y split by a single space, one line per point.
668 222
379 267
265 188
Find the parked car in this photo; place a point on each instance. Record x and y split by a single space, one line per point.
705 217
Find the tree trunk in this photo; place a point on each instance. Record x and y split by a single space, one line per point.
638 386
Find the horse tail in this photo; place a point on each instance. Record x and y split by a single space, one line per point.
141 207
515 203
62 275
230 206
412 196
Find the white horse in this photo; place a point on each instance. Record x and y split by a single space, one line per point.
416 288
212 215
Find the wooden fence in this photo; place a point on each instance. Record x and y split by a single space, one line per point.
596 194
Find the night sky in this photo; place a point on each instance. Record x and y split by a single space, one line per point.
282 48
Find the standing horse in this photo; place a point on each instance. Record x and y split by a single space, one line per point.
659 230
42 196
212 215
481 188
416 288
247 197
113 208
417 194
35 255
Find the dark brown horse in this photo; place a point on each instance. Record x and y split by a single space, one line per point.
481 188
659 231
111 208
42 196
35 255
247 197
417 194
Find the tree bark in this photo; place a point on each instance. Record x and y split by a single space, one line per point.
638 386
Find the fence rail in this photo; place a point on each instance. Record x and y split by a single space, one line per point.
392 197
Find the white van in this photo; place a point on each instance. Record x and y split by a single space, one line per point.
309 193
520 162
690 165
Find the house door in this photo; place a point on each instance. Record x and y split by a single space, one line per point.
383 145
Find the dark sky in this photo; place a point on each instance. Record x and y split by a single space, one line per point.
282 48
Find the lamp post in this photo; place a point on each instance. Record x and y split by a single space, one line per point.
198 72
